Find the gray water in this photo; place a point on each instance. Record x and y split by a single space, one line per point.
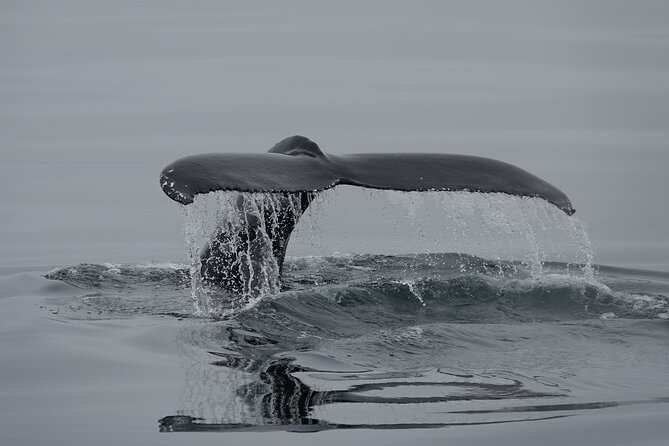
397 325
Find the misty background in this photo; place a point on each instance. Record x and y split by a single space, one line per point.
97 97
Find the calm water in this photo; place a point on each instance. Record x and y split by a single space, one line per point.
396 313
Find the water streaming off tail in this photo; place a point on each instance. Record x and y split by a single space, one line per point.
242 226
493 226
497 227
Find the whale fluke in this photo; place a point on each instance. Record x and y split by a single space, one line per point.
298 169
308 169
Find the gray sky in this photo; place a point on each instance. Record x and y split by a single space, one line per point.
96 97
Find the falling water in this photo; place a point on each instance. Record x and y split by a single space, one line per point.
494 226
231 213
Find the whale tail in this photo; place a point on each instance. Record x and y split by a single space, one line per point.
295 169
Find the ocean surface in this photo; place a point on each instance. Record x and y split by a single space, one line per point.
349 342
402 318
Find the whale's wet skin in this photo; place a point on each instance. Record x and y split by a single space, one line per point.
397 341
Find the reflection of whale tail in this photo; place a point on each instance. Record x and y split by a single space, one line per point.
295 169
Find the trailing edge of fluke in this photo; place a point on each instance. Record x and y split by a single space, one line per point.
296 164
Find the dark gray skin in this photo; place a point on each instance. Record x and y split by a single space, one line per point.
297 165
